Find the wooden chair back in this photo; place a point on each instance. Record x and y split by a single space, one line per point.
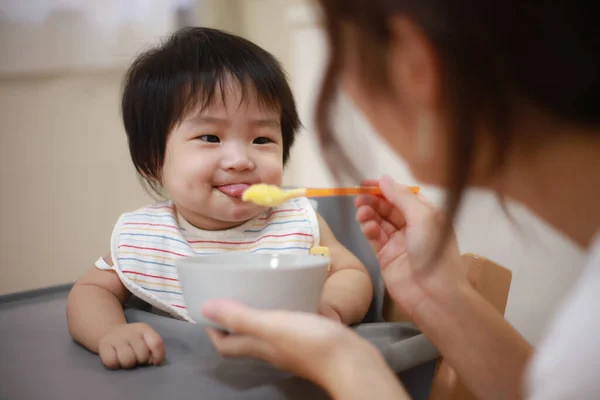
492 281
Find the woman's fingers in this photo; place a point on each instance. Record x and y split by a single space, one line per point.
235 316
243 320
370 226
369 182
374 235
234 345
402 199
383 208
366 214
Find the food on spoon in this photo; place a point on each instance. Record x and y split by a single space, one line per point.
265 195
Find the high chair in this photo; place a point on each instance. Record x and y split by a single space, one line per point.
492 281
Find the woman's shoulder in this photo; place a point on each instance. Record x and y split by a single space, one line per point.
567 360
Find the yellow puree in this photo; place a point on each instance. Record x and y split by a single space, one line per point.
264 195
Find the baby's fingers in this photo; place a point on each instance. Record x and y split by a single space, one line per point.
155 346
108 355
141 350
127 358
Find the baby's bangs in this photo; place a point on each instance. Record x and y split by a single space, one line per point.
198 92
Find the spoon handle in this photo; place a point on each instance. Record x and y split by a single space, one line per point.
349 191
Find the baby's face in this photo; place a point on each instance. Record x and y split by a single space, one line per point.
214 155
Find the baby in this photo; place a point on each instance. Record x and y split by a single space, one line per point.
206 114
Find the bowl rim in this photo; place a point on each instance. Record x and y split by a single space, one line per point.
312 262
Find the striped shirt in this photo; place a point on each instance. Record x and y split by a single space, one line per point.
145 244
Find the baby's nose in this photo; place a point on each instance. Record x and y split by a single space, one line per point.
237 159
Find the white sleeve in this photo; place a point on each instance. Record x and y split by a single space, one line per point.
567 364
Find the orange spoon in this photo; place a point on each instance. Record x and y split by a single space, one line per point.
347 191
269 195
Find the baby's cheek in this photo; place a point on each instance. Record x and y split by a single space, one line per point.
272 172
199 169
186 178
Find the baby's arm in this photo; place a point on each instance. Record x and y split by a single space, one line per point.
348 291
96 320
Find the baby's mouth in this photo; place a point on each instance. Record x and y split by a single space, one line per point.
234 190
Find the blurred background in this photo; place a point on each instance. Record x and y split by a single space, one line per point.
65 171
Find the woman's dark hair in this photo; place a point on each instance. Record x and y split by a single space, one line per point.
492 54
183 74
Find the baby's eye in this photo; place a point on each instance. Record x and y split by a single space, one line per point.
210 138
262 140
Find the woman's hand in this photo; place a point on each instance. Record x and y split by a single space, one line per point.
488 355
308 345
404 231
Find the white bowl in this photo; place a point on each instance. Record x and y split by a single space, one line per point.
267 281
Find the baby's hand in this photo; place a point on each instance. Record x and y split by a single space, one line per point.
129 345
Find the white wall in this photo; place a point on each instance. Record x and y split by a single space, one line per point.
65 171
65 175
44 39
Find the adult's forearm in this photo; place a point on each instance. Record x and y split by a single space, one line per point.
486 352
362 373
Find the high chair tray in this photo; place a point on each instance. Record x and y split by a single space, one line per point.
38 359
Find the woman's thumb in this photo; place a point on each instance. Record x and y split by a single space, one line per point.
417 213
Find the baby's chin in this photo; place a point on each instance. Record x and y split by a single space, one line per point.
220 219
242 213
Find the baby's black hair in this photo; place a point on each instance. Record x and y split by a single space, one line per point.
184 73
